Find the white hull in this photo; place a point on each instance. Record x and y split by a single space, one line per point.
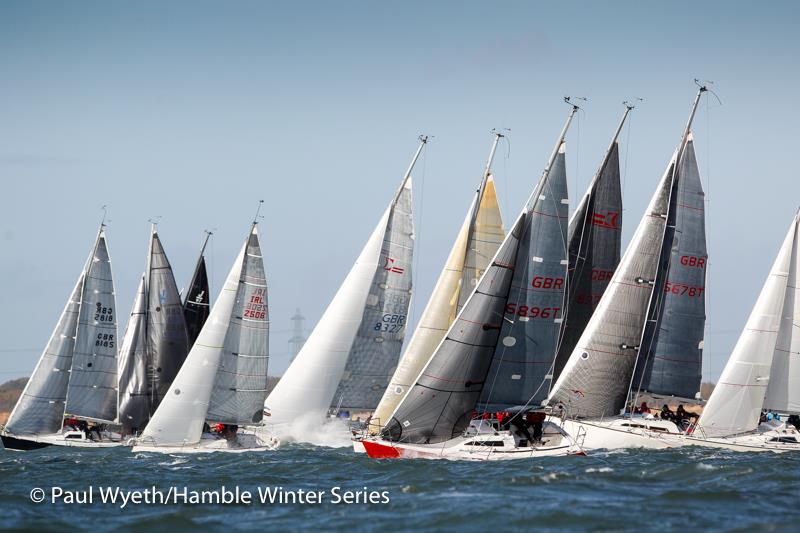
624 432
245 442
358 446
784 439
486 446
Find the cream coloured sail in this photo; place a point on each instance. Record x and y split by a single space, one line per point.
735 405
478 240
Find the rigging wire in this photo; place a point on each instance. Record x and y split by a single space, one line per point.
418 233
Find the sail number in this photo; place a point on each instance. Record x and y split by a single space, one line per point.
103 314
105 340
256 308
532 311
683 289
602 275
390 323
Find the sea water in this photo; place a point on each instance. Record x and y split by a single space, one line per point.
301 486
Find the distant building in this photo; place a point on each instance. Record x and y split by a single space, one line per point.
298 334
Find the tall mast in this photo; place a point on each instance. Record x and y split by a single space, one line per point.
147 347
574 109
423 140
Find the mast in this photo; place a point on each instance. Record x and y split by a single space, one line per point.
656 296
147 349
423 140
573 109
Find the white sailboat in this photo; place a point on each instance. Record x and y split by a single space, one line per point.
646 334
224 377
476 243
763 372
76 376
348 359
487 361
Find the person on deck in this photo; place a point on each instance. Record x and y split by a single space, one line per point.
666 413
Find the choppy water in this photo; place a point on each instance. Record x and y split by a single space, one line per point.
620 490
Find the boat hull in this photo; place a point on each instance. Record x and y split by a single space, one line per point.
776 441
69 439
481 446
244 443
616 433
21 445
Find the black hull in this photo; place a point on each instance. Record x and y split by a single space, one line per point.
23 445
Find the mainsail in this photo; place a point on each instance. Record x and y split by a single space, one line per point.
518 301
595 234
226 369
477 242
40 409
761 354
622 333
308 387
196 302
155 342
92 391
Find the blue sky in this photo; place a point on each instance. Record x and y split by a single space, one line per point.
193 111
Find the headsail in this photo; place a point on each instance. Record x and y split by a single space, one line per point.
595 234
735 405
134 401
92 391
180 417
476 243
598 375
308 386
40 408
196 302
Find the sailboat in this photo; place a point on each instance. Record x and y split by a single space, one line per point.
224 378
763 372
196 302
646 335
75 377
489 358
475 245
351 354
155 342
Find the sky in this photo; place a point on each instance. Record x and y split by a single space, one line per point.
193 111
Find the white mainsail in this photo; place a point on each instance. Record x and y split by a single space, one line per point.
735 405
180 417
476 243
308 387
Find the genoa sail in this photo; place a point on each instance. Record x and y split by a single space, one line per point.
134 402
197 301
180 417
735 405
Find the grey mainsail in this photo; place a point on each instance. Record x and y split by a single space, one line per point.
197 302
594 251
673 365
167 339
134 402
523 360
610 357
40 408
240 386
92 391
439 405
378 342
